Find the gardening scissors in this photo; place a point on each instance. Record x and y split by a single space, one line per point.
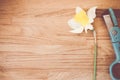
114 32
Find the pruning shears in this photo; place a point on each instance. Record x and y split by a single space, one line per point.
114 32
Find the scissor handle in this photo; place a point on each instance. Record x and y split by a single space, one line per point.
115 23
111 70
115 38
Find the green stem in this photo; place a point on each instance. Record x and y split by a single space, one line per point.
95 61
95 56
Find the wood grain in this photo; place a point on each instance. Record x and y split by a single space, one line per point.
35 43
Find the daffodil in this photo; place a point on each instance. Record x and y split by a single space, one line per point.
82 20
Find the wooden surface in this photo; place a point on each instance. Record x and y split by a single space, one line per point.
35 42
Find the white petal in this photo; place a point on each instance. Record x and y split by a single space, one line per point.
90 27
79 30
91 20
92 13
78 9
73 24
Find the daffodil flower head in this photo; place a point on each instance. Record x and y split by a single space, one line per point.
82 20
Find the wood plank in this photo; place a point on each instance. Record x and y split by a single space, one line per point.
35 42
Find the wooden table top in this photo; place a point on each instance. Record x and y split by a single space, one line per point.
35 42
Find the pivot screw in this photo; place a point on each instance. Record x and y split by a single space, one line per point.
114 32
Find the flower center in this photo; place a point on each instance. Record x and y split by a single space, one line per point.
82 18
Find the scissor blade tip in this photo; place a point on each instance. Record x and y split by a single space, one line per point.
108 21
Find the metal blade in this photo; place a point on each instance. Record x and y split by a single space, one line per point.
108 21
